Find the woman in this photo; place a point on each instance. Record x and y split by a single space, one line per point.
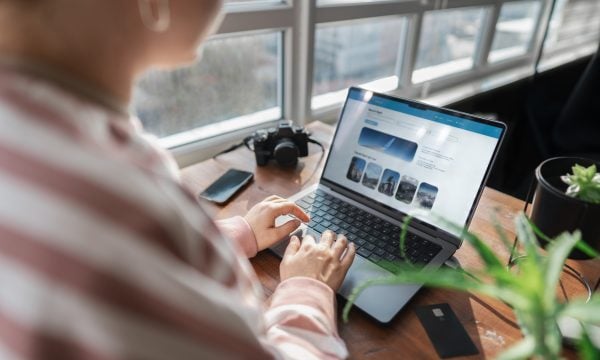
103 254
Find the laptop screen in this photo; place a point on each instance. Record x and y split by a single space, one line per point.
410 156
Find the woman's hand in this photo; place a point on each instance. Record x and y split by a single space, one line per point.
328 261
262 220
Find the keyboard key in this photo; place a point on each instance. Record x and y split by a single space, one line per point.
303 204
391 257
320 228
363 252
373 240
374 258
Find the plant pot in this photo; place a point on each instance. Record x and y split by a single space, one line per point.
553 212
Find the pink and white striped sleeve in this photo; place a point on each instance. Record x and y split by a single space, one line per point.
301 320
238 230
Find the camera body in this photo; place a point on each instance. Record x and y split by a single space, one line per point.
285 143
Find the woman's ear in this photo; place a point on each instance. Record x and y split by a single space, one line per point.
155 14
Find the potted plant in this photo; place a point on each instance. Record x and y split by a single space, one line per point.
531 294
565 202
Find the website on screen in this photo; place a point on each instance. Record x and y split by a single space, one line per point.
411 158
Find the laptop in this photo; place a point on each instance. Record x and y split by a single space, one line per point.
390 157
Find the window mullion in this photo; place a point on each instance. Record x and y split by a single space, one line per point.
270 18
303 40
537 43
411 50
487 36
367 10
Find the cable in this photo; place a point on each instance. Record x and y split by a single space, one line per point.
313 141
246 142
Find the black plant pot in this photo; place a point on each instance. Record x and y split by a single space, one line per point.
553 212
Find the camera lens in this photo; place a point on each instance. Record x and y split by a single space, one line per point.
286 153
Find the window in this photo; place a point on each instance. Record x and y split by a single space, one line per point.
573 22
236 76
573 32
514 30
268 53
447 43
356 53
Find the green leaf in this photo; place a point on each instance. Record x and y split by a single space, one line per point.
483 250
360 288
586 348
587 249
444 278
527 237
403 234
502 235
557 253
586 312
581 245
584 183
521 350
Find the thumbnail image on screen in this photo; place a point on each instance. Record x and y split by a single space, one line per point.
387 144
372 175
356 168
388 182
406 189
426 195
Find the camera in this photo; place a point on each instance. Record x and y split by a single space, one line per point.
285 143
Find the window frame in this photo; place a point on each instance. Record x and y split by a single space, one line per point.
297 20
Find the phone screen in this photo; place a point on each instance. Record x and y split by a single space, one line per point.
226 186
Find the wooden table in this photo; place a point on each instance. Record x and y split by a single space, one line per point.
490 323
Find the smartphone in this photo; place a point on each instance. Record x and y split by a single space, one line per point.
223 189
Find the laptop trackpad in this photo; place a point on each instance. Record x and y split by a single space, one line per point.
379 301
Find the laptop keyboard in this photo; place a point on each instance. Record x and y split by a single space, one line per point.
375 238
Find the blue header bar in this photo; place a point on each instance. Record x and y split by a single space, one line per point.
432 115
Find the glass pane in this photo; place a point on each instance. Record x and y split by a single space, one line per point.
514 29
356 53
236 76
574 22
343 2
252 1
448 42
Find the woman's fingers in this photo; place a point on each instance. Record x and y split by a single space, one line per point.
308 240
348 257
340 245
292 247
327 239
286 228
288 207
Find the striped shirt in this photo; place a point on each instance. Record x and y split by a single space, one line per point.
104 255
